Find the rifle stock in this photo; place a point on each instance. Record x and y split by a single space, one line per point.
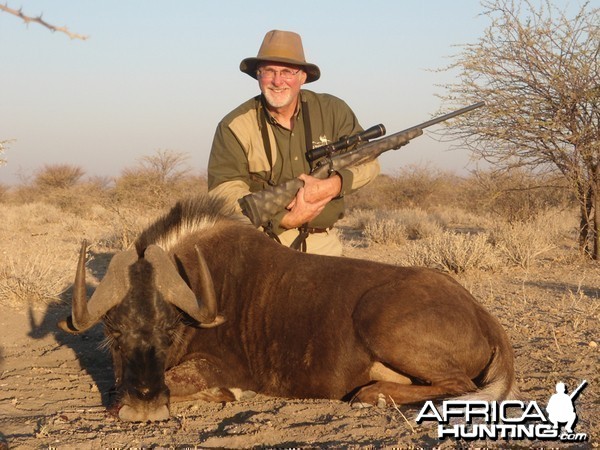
261 206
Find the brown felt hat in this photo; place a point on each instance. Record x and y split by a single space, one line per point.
281 47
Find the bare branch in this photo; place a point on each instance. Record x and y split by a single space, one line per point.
28 19
538 72
3 148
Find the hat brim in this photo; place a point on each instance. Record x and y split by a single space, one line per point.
249 66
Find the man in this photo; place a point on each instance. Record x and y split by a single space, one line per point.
264 141
560 408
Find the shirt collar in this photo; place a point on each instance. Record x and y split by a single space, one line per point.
269 117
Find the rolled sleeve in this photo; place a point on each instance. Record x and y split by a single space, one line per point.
356 177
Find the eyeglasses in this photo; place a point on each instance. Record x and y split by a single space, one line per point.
269 74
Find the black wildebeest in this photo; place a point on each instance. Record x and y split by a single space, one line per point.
204 302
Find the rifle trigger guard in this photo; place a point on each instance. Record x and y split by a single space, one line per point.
329 162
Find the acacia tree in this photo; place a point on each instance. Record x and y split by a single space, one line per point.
538 71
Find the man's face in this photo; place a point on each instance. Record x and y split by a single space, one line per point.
280 84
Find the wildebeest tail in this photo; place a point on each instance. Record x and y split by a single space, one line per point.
498 382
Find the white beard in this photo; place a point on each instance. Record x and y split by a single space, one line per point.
278 99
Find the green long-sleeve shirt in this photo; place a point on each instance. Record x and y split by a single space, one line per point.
238 162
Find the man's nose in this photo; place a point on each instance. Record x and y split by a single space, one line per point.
278 79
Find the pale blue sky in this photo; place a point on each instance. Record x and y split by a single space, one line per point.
160 75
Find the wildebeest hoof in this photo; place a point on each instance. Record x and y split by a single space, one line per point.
241 395
361 405
381 403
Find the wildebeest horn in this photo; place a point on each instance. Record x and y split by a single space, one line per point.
109 292
174 290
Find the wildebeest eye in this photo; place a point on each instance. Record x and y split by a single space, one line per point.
114 337
172 335
167 338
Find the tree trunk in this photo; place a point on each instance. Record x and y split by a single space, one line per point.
586 227
596 221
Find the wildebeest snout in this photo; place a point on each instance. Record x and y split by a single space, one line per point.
144 405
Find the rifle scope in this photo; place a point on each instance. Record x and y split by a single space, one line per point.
345 142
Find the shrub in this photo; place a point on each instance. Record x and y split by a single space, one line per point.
386 232
157 181
412 186
59 176
457 217
4 193
395 227
380 194
41 278
452 252
516 195
522 243
126 225
359 218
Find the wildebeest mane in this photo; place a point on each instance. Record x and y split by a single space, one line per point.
186 216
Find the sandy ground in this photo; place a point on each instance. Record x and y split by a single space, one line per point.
54 387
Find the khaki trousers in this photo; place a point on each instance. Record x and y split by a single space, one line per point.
327 243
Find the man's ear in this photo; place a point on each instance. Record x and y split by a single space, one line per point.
303 77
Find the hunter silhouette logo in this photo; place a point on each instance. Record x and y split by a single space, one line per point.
509 420
561 406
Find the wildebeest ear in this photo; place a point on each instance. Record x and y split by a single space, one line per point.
174 289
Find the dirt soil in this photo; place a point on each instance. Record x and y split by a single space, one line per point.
54 388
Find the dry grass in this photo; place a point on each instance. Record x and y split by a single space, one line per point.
39 279
398 226
453 252
523 243
547 300
414 186
38 246
45 220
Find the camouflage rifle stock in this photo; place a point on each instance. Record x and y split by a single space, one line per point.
260 206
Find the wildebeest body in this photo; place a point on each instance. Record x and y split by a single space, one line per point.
309 326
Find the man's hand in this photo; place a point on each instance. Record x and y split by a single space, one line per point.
311 199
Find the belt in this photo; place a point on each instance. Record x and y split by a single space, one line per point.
314 230
300 242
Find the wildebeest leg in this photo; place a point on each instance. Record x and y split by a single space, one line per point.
199 379
404 394
379 372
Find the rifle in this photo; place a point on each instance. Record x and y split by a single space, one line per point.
260 206
577 391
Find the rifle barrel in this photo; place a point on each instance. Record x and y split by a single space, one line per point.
576 392
445 117
260 206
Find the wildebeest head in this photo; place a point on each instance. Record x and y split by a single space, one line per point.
141 300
